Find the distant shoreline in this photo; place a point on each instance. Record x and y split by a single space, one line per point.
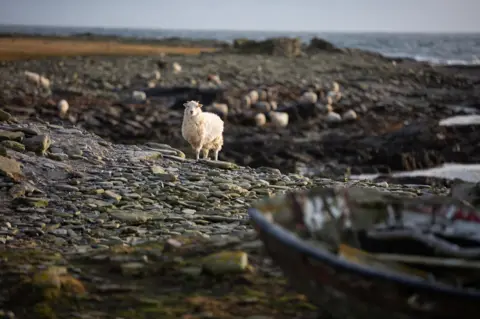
436 48
16 45
170 41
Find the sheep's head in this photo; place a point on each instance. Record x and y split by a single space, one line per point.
192 108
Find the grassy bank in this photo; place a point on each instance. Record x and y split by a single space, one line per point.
32 48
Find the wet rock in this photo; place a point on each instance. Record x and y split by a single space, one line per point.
38 144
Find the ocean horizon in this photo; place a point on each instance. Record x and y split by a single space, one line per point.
437 48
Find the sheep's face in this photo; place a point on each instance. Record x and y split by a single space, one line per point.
192 108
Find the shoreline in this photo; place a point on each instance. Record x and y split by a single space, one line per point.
202 43
96 226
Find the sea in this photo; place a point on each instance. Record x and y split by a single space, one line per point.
434 48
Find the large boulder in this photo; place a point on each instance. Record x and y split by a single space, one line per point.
288 47
317 44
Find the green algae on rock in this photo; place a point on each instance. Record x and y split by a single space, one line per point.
16 146
226 262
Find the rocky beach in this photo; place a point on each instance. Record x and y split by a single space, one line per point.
105 214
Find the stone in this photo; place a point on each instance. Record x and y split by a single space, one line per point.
112 195
166 177
12 136
10 168
349 115
219 164
226 262
333 117
58 156
17 190
4 116
38 144
287 47
132 268
157 170
317 44
16 146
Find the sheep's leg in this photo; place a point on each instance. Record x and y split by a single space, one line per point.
197 151
216 154
205 153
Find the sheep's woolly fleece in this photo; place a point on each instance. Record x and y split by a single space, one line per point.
202 130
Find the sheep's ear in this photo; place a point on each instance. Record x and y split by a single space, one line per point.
185 104
199 105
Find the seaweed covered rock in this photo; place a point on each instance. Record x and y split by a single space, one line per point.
318 44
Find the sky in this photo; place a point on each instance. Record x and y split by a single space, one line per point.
263 15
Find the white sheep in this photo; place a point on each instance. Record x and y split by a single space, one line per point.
62 107
32 77
278 119
37 79
309 97
44 82
202 130
260 119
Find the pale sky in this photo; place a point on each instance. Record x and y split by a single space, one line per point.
264 15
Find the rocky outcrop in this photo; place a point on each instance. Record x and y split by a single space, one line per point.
286 47
320 45
89 216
